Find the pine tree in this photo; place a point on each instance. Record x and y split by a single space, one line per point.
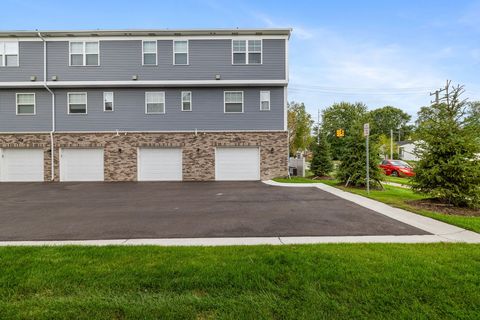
353 158
321 164
448 147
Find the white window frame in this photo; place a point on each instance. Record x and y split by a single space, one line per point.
225 103
247 62
188 55
182 101
3 54
269 100
164 104
156 53
68 103
84 53
104 101
34 104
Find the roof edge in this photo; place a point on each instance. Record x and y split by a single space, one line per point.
147 32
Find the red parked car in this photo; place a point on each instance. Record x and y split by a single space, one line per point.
397 168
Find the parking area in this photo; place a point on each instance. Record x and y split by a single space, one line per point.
139 210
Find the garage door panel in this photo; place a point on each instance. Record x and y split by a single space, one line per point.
81 164
22 165
160 164
233 164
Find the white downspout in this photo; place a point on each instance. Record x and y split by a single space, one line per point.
52 144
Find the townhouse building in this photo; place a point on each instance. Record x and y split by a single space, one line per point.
143 105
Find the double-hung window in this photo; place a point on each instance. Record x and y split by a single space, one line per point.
25 104
149 49
108 101
8 54
233 101
246 51
84 53
154 102
264 100
186 101
180 52
77 103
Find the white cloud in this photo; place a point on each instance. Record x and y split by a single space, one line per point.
330 67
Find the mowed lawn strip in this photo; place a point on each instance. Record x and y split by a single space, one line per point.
331 281
397 197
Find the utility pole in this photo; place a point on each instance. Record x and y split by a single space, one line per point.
366 134
391 144
437 93
318 127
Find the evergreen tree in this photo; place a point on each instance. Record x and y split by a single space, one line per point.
449 169
353 158
321 164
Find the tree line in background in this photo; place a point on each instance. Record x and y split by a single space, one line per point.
447 132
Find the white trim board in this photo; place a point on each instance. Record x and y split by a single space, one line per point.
143 83
142 37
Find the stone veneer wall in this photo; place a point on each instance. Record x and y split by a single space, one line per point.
198 150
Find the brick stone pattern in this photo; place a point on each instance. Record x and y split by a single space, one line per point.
120 150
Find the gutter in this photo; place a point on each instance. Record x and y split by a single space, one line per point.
52 144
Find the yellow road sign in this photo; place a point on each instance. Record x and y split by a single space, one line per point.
340 133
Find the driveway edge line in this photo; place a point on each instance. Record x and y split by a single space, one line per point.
247 241
437 228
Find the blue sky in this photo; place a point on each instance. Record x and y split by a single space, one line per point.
377 52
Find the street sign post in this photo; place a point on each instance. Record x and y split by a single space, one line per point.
366 134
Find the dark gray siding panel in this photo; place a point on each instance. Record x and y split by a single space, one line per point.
10 122
119 60
207 105
30 63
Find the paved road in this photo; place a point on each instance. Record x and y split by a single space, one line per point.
79 211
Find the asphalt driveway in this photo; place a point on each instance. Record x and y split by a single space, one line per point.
79 211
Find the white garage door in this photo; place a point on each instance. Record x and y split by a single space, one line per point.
81 164
159 164
21 165
237 164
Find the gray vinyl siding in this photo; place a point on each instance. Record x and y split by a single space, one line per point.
207 111
10 122
120 59
30 63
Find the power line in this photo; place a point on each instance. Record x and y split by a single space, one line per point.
296 89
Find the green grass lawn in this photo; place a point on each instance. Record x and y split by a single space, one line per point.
334 281
397 197
399 180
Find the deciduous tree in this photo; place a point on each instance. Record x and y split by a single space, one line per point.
340 116
299 127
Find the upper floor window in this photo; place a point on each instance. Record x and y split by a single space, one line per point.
84 53
8 54
246 51
108 101
77 103
186 101
233 101
180 52
149 50
25 103
264 100
154 102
